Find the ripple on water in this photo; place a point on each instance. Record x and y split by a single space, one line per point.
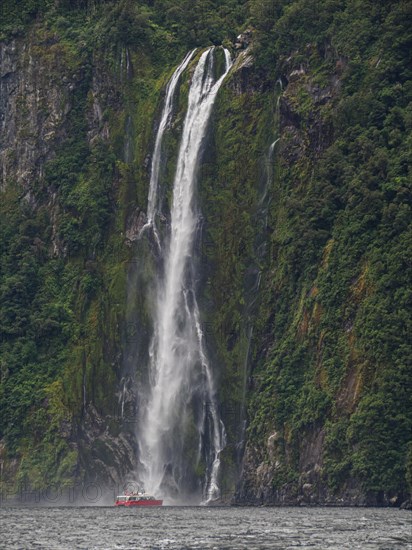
205 528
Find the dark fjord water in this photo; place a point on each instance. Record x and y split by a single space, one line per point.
98 528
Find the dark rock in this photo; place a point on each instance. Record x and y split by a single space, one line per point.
243 40
104 455
134 225
406 505
244 76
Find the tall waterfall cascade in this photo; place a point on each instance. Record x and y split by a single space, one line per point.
180 432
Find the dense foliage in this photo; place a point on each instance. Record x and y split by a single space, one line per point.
339 301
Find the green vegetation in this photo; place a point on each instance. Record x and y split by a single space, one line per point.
337 302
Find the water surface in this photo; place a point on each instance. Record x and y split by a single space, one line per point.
99 528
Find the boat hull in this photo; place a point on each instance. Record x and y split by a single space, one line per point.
139 503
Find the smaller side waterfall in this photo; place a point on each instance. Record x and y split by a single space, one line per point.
152 205
261 245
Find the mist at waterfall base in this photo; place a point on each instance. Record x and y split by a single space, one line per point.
179 431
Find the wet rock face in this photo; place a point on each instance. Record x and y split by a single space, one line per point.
107 455
33 107
245 79
103 93
258 484
38 81
243 40
265 479
134 226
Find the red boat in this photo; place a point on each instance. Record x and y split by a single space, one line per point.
137 499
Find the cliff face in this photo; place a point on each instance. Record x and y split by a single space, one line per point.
325 388
305 197
294 282
285 465
33 110
56 146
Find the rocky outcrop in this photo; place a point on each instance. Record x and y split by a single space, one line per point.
244 78
243 40
259 483
107 453
134 226
263 468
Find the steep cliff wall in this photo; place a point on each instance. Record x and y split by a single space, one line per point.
329 393
312 335
66 195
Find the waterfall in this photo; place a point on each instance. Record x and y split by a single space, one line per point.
181 435
157 152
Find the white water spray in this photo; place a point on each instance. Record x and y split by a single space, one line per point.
180 422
